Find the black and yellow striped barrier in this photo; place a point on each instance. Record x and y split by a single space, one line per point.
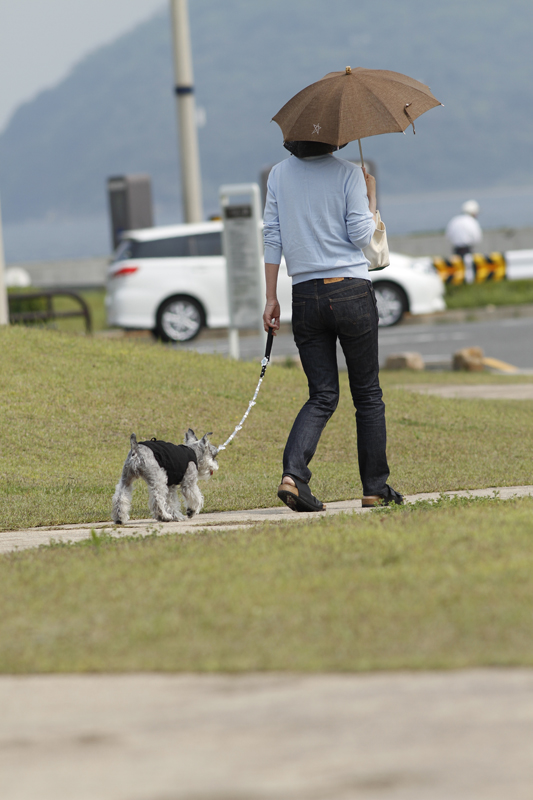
451 270
489 268
485 268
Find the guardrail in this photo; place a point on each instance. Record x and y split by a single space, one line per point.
483 268
49 312
512 265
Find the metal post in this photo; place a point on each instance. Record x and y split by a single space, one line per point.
4 309
188 132
233 343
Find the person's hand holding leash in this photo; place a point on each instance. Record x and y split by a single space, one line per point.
271 316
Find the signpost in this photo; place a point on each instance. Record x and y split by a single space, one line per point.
242 245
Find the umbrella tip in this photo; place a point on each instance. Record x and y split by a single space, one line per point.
348 70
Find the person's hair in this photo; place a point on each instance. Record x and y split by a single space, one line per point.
308 149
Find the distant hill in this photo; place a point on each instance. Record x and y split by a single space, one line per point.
115 112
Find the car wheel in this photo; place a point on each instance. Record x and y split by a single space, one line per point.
392 303
179 319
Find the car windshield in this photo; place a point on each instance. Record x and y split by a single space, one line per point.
201 244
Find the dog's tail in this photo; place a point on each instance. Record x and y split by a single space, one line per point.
133 444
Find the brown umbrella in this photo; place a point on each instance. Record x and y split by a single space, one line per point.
353 104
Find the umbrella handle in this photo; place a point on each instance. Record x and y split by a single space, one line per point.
361 153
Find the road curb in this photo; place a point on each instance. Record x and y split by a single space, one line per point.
476 314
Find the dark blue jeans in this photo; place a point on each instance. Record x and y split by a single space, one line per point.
321 314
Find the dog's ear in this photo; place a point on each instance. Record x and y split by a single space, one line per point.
205 441
190 437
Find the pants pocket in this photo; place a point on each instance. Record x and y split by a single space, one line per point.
353 309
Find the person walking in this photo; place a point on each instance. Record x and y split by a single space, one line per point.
464 231
320 213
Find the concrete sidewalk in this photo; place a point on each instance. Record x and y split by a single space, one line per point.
465 735
220 521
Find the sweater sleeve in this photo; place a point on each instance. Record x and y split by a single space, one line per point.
360 223
271 229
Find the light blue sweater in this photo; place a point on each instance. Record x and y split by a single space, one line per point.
317 214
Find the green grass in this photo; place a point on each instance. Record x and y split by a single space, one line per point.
500 293
432 586
69 405
443 586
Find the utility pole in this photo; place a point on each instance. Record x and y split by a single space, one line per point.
4 310
188 132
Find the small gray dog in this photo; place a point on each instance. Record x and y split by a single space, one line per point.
165 466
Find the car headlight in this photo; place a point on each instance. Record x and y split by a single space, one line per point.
424 265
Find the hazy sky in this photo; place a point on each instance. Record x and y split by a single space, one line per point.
40 40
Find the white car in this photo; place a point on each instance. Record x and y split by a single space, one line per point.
172 280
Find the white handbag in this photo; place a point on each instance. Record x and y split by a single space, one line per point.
377 252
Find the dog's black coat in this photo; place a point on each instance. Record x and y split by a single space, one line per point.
173 458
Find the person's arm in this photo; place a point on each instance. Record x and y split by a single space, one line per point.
273 250
360 193
272 310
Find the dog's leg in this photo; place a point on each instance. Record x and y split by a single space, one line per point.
174 503
156 479
122 496
194 499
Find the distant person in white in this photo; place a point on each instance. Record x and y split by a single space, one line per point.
464 231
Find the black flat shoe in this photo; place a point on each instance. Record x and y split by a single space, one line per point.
299 497
384 499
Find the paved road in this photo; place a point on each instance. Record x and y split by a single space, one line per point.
509 340
422 736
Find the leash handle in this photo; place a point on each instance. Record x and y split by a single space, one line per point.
268 350
270 341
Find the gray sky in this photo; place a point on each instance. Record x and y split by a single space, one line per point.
40 40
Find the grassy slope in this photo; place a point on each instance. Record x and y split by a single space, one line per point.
70 403
427 587
442 587
501 293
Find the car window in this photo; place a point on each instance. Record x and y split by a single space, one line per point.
201 244
173 247
206 244
123 251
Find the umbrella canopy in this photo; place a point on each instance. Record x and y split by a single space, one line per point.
353 104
